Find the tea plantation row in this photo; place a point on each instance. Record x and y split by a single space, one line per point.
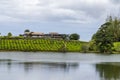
40 45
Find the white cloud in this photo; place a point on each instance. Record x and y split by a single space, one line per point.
78 11
4 18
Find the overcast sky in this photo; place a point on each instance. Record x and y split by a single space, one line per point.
64 16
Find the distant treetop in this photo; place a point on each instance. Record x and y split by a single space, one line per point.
74 36
27 30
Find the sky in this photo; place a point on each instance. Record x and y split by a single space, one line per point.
63 16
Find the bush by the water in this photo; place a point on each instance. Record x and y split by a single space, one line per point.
116 46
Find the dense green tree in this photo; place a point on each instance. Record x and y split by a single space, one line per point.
113 25
113 28
74 36
9 34
103 39
27 30
108 33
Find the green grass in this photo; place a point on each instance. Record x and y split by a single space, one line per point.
30 44
116 46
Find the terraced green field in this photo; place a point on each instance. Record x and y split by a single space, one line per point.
40 45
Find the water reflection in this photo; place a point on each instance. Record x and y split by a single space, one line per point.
109 71
51 66
28 66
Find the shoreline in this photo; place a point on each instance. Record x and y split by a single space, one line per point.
88 52
52 51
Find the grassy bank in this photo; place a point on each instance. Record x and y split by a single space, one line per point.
116 47
29 44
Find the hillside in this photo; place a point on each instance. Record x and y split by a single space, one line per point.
30 44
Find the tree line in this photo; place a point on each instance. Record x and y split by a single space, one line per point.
73 36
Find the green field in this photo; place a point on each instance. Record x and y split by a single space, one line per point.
29 44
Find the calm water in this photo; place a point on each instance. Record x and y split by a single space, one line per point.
58 66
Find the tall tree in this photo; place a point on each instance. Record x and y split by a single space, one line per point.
103 39
108 33
114 28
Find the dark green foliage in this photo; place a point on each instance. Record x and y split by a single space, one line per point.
105 37
114 28
74 36
9 34
108 33
27 30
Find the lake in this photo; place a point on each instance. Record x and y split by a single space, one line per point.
58 66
